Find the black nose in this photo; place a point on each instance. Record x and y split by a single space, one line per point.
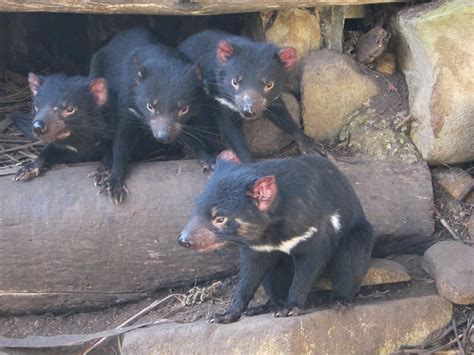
162 136
39 127
249 112
183 241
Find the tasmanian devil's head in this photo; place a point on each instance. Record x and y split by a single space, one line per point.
234 207
167 94
65 105
252 75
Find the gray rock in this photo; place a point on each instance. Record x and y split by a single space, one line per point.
377 328
451 264
332 89
436 53
454 181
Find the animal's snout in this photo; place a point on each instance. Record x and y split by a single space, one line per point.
184 241
39 127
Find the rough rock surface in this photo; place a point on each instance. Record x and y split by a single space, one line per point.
298 28
265 138
454 181
381 271
359 330
332 89
386 63
451 264
436 52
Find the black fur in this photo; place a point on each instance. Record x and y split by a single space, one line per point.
310 191
253 65
152 83
83 135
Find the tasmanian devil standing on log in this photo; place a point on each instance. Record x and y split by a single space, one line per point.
69 115
292 218
159 100
247 79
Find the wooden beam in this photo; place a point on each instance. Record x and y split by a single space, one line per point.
168 7
62 247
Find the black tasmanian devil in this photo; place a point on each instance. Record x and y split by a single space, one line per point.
292 218
70 115
247 79
159 101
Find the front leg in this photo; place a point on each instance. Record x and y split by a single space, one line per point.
49 155
122 146
279 115
230 126
197 148
307 268
253 266
103 172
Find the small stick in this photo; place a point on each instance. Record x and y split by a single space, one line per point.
129 321
19 147
446 225
457 337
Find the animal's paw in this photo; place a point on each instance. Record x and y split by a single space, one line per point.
29 171
287 312
341 305
309 146
116 189
225 318
101 177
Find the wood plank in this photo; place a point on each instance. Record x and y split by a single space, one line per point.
169 7
62 247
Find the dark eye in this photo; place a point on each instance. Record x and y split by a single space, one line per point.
269 85
219 220
235 83
70 110
184 110
150 107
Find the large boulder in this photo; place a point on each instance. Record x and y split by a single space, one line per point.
436 53
451 264
332 89
298 28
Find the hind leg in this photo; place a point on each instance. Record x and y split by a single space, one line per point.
276 283
351 262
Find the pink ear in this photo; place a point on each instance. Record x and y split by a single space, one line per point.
98 89
224 51
34 82
288 57
229 155
264 192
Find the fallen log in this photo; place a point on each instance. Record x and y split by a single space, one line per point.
62 247
169 7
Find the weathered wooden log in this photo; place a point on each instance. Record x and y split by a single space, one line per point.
168 7
62 247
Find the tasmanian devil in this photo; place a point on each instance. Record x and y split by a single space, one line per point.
292 218
69 114
247 79
159 100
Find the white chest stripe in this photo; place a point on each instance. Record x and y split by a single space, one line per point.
226 103
286 245
70 147
336 221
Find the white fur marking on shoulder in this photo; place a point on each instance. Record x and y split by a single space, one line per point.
336 221
70 147
286 245
226 103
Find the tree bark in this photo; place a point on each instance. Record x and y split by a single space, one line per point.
62 247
